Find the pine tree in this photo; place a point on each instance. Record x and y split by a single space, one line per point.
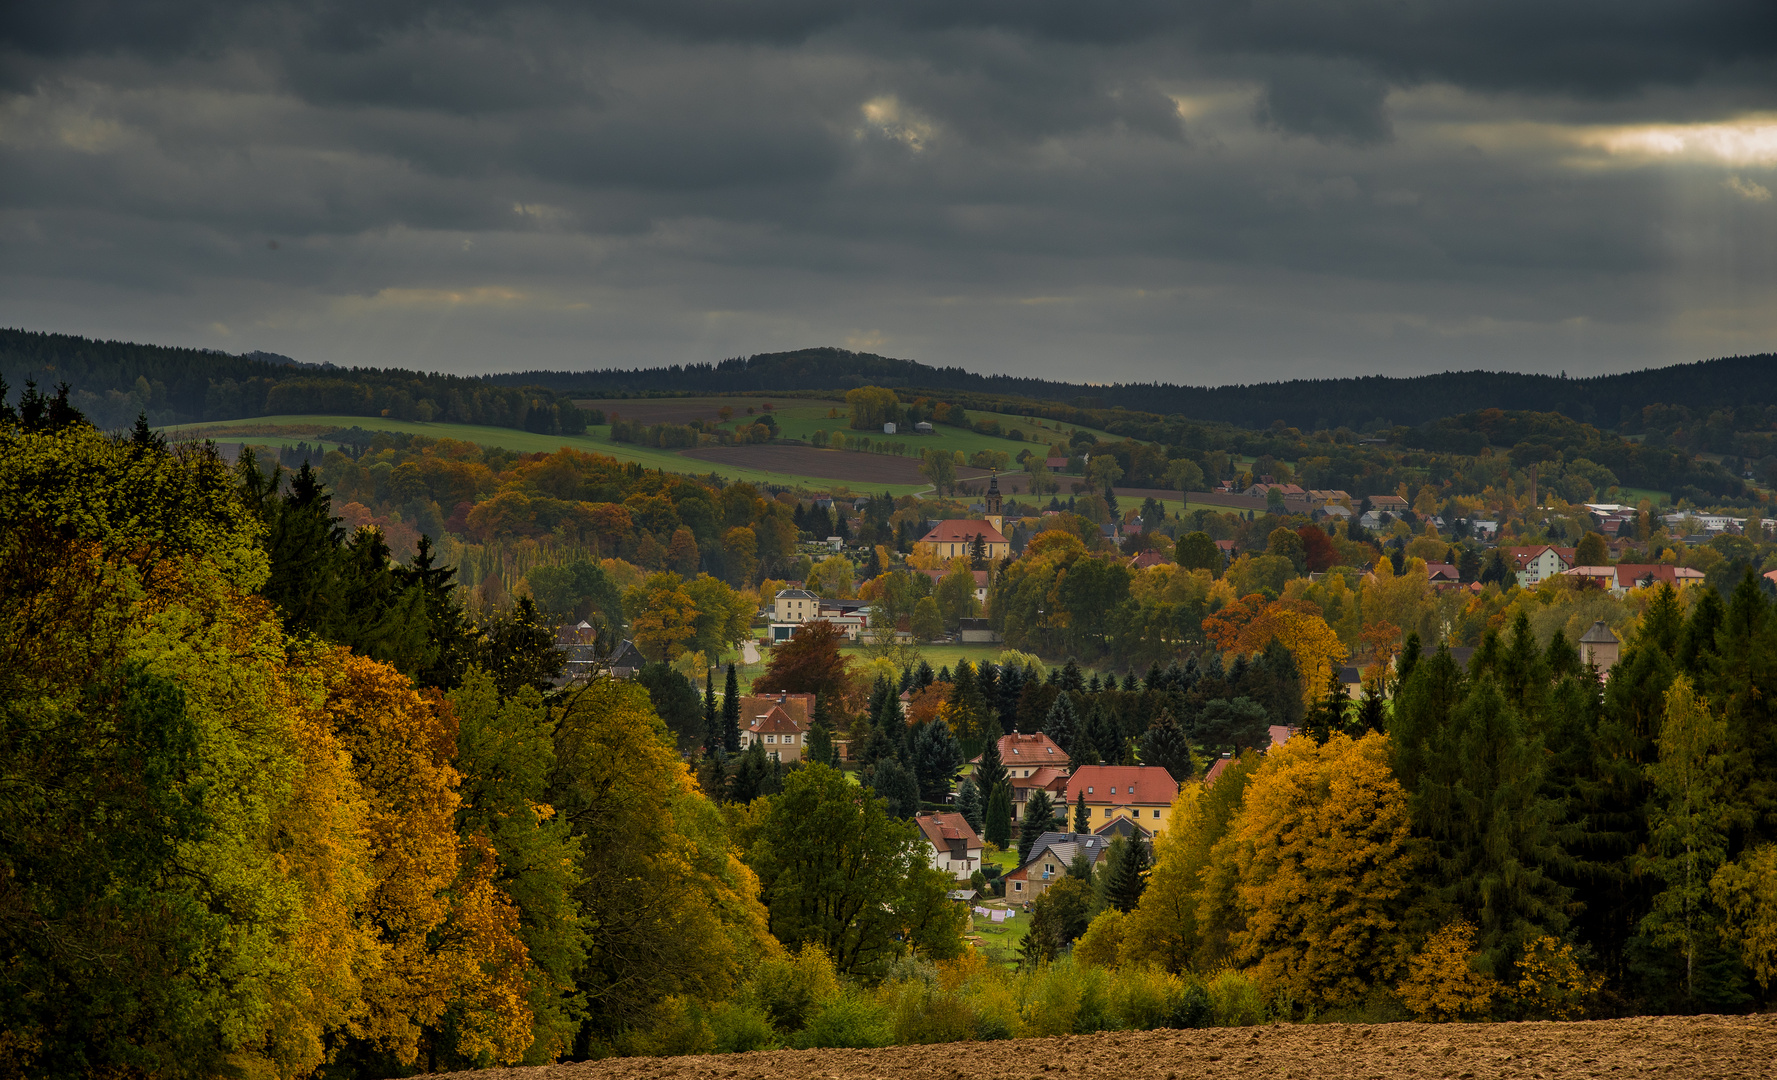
999 817
731 713
936 761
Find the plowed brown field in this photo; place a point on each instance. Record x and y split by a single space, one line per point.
1689 1048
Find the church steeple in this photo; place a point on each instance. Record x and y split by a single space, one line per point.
992 502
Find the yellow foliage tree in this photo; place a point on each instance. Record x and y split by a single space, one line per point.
1551 982
1442 983
1321 853
1747 890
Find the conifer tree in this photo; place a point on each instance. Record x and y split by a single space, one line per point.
712 732
731 713
1082 814
1039 818
1165 745
968 804
1061 725
999 817
1128 877
990 771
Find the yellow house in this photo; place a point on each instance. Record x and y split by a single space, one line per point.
952 540
1142 793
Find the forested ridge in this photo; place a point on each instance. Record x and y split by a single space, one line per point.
113 381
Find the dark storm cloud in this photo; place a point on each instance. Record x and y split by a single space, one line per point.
1214 190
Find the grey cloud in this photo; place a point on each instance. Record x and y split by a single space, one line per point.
1221 190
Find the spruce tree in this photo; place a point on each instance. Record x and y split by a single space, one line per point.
712 731
1327 718
1039 818
968 804
999 817
1165 745
1128 876
990 771
1062 725
1082 814
731 713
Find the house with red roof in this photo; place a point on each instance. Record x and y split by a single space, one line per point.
951 845
782 736
1539 562
1142 792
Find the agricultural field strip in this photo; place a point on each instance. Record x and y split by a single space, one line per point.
1696 1047
290 430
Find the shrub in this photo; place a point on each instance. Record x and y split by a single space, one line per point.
1193 1009
1144 998
1234 1000
853 1020
1098 946
1442 983
792 989
740 1027
675 1026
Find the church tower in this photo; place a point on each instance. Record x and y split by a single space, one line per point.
992 501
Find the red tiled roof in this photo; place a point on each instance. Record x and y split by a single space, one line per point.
1048 777
943 829
1122 784
799 707
1215 771
773 722
1040 749
1444 570
1146 559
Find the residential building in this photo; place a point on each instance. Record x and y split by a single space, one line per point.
795 605
1024 754
1142 792
981 581
1646 575
1392 504
953 539
1539 562
1443 575
1046 778
783 737
951 845
1050 857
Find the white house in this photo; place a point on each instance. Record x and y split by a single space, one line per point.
1539 563
951 845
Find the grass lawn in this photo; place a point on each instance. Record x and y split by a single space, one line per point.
1000 941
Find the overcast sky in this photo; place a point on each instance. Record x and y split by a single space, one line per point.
1194 192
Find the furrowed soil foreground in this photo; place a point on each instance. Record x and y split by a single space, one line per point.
1690 1047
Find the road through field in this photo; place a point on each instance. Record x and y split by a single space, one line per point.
1692 1047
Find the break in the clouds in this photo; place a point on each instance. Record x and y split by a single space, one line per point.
1205 192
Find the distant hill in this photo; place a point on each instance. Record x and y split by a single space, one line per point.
1605 400
114 380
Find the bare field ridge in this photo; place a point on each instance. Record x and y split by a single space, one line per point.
1691 1047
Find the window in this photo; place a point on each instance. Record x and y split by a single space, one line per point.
1088 790
1108 811
1048 868
771 738
1113 791
1018 886
1156 813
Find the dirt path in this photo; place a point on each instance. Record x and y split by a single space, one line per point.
1690 1048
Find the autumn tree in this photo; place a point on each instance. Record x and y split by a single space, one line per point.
809 663
1321 851
675 909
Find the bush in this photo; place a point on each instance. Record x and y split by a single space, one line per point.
853 1020
739 1027
1144 998
675 1026
1193 1009
792 989
1098 946
1234 1000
